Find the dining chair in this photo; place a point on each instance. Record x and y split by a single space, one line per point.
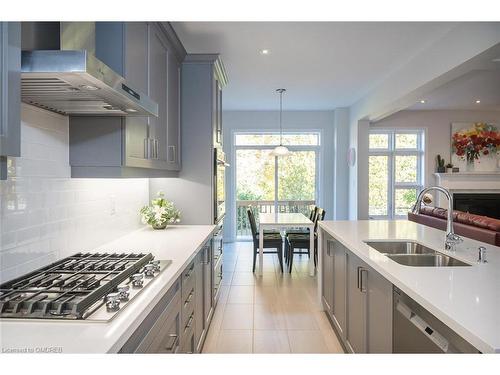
272 240
312 216
301 241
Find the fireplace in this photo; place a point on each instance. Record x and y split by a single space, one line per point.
486 204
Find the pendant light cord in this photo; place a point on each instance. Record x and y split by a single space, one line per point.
281 91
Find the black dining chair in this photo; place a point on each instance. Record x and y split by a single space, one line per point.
272 240
300 241
312 216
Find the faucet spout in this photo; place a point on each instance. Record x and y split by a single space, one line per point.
452 239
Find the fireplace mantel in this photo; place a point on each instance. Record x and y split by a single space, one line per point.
467 182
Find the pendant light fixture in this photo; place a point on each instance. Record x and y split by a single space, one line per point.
281 150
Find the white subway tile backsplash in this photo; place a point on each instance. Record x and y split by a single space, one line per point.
44 214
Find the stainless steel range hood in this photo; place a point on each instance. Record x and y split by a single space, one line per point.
75 82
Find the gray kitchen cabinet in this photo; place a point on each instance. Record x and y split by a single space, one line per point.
160 332
208 280
10 93
356 298
369 309
334 283
339 287
174 113
180 321
146 54
199 328
327 267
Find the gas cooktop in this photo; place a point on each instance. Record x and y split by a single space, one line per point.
94 286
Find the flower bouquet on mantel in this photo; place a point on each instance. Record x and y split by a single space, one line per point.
160 213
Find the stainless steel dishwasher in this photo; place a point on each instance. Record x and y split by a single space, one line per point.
416 330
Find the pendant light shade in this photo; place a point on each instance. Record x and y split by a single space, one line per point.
281 150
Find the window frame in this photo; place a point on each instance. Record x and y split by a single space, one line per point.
391 152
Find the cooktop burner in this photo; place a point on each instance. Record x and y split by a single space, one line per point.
79 286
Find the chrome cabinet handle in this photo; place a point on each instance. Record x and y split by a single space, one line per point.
173 338
189 298
171 154
361 279
190 321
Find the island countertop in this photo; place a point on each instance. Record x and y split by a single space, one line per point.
178 243
467 299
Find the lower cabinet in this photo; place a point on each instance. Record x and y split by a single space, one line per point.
180 321
357 299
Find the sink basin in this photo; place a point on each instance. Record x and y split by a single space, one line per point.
427 260
413 254
399 247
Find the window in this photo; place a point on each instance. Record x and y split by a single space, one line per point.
269 183
395 171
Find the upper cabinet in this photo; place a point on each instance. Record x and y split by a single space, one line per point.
149 55
10 93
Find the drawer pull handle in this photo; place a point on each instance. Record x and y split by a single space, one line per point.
173 339
189 298
190 321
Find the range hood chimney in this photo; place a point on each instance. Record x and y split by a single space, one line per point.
60 73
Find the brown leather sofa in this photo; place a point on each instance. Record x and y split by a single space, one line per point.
481 228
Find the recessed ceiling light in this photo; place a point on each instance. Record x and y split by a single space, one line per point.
265 52
89 87
422 101
131 110
478 101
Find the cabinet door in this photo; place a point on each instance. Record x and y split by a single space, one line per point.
10 93
379 320
208 286
174 122
356 305
199 328
327 274
158 73
136 73
339 287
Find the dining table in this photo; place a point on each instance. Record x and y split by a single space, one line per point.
284 221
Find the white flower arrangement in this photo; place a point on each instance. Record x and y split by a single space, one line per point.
160 213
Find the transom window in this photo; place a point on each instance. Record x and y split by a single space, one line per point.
395 171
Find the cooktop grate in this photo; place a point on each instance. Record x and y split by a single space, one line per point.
70 287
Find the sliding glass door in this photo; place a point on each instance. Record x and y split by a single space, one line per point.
274 184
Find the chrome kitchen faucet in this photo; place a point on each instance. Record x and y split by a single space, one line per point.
452 239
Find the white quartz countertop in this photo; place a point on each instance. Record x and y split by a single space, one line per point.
178 243
467 299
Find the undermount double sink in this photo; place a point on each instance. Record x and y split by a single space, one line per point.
413 254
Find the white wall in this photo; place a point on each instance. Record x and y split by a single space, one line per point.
292 120
44 214
437 125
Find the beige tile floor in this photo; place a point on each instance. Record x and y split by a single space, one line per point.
273 313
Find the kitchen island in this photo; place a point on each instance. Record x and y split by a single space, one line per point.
466 299
179 243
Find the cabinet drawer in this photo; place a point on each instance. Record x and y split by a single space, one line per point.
160 331
188 305
188 280
217 278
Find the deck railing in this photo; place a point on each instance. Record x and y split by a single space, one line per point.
242 224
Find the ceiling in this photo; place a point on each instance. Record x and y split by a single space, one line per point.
323 65
462 93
